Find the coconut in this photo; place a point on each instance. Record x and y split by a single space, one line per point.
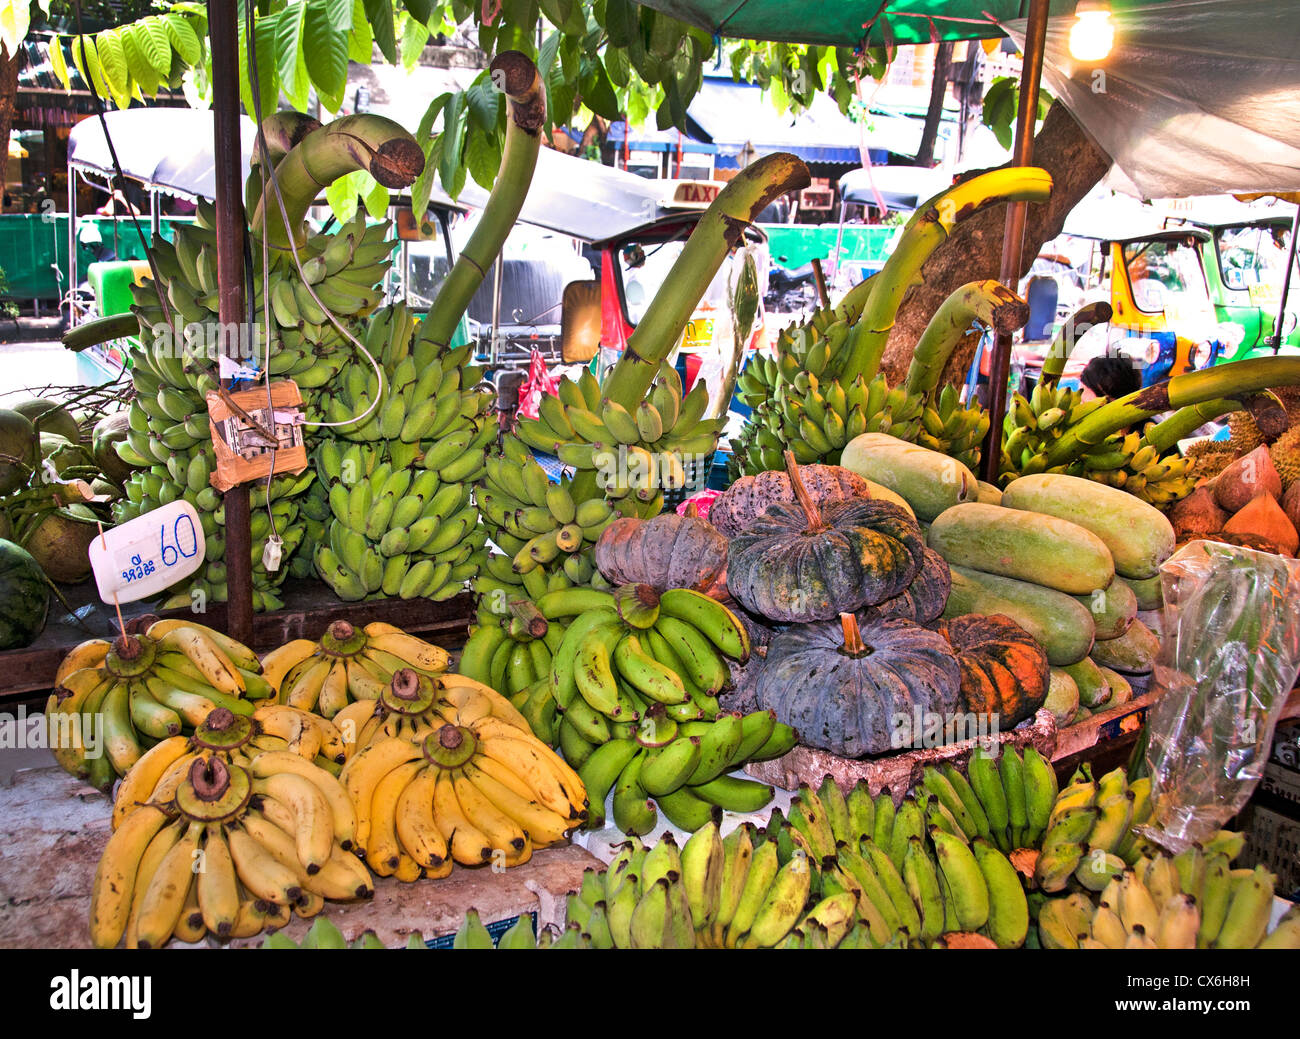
16 433
50 417
62 542
1264 518
1248 476
1197 514
109 432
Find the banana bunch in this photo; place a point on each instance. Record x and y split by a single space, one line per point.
631 696
271 829
1194 900
347 665
1124 460
520 935
543 527
952 428
323 934
816 416
447 771
112 702
345 270
629 456
917 877
1090 834
396 517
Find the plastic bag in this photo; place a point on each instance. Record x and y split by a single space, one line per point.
1228 660
539 382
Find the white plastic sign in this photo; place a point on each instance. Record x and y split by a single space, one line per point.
148 554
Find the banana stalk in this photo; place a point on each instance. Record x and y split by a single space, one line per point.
1164 435
987 302
1234 379
720 230
527 114
929 228
1068 336
356 142
101 330
281 131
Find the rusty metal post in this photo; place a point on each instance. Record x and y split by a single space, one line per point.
223 36
1013 239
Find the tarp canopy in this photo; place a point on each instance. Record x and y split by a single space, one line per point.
165 148
846 23
1197 97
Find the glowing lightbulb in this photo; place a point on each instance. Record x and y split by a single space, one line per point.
1092 34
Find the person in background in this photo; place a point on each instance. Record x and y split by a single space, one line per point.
1109 377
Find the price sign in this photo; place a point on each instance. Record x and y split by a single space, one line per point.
149 554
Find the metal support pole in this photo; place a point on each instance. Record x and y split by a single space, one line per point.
223 33
1013 239
1276 338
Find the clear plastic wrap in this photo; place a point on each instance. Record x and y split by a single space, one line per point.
1228 660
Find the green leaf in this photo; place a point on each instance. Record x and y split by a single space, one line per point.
112 63
361 40
566 15
142 71
483 155
617 68
342 195
453 141
268 77
325 53
483 102
183 38
156 43
414 36
621 23
546 57
423 185
58 64
15 19
379 13
340 12
289 59
420 10
425 130
597 91
375 198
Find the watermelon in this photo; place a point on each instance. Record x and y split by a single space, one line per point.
24 597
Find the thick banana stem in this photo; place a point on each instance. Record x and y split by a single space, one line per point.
1164 435
1068 336
720 230
1224 380
928 228
989 302
371 143
517 76
101 330
283 131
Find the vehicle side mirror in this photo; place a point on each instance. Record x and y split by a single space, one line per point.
580 321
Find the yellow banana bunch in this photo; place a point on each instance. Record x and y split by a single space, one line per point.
113 701
348 664
447 771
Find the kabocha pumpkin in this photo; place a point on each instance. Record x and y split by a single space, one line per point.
748 498
925 597
667 551
1004 672
852 688
807 562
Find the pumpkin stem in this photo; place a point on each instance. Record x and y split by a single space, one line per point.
692 510
805 500
853 644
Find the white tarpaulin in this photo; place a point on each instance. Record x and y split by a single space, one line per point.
1197 97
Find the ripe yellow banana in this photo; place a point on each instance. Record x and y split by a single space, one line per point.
144 776
265 876
168 889
383 851
415 651
88 654
218 889
211 661
343 816
313 819
305 690
416 829
543 826
469 845
163 842
279 662
503 833
363 772
110 899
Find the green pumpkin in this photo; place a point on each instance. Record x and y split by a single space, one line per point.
809 562
853 689
24 597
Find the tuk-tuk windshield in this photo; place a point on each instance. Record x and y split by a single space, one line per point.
1253 259
645 266
1166 274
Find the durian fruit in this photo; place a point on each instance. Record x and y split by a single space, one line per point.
1285 453
1245 434
1209 458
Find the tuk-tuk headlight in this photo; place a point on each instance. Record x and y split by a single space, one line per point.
1151 354
1288 323
1195 352
1231 335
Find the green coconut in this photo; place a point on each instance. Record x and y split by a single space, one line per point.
50 417
16 432
110 431
62 542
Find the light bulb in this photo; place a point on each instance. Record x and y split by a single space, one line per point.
1092 34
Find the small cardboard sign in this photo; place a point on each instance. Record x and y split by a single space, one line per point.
242 449
148 554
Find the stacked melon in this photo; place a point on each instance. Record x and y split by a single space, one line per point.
1070 561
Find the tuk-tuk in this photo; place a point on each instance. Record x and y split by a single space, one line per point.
1163 317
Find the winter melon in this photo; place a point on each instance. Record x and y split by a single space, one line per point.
929 480
1057 622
